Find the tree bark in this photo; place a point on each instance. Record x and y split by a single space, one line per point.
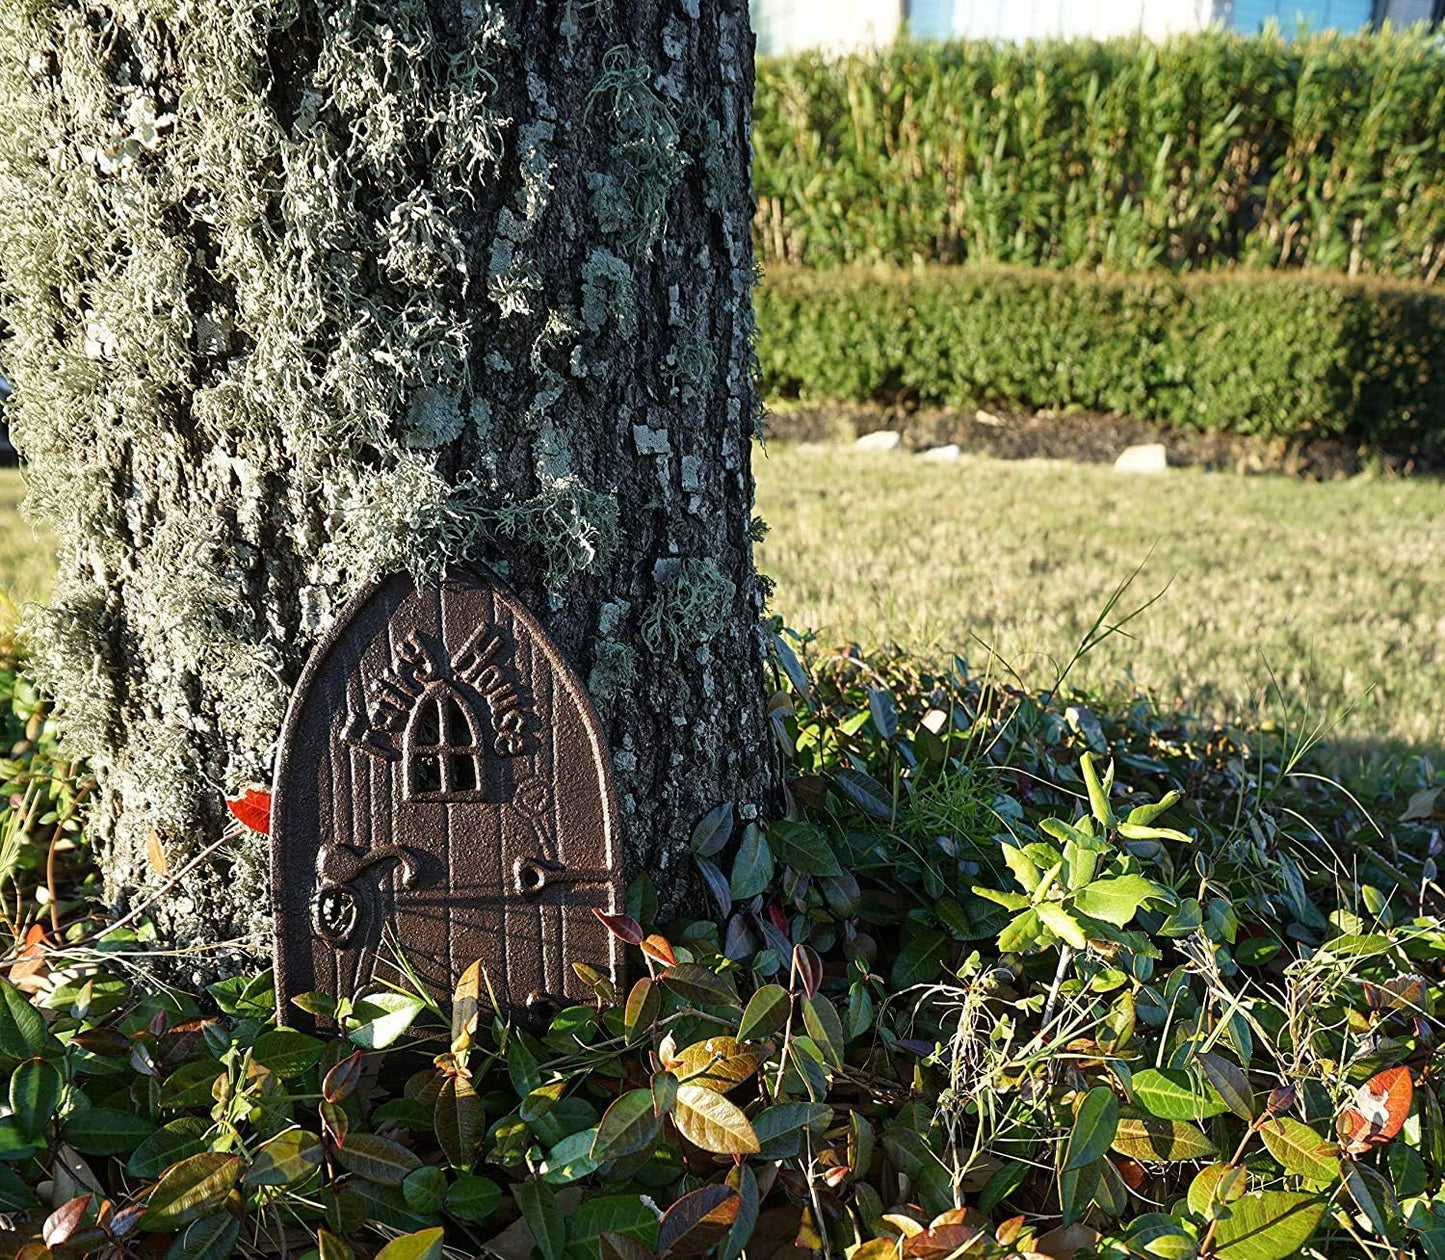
308 291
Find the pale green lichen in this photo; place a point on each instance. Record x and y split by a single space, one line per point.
614 670
607 292
692 603
646 159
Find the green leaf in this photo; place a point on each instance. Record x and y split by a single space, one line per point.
1270 1225
23 1034
15 1195
286 1159
473 1198
101 1131
629 1125
1145 814
820 1017
1230 1082
713 831
696 983
1133 831
1118 900
1149 1139
753 865
803 847
168 1145
1216 1184
783 1120
15 1145
34 1095
1098 795
286 1051
570 1159
920 960
766 1013
522 1067
1095 1124
624 1214
190 1084
708 1120
213 1237
377 1159
1021 934
1061 923
1300 1150
459 1121
386 1205
425 1244
1170 1094
544 1218
191 1189
425 1189
1077 1187
1024 869
383 1018
867 794
1003 1183
1375 1197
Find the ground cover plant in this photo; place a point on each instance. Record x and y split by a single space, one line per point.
1203 151
1008 975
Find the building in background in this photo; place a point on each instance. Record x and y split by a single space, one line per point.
784 26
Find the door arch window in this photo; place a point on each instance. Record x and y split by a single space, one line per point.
444 748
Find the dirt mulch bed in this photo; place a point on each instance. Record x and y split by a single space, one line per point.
1085 437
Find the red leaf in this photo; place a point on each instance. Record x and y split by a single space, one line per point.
809 968
1378 1111
623 926
64 1221
253 808
695 1223
342 1079
125 1221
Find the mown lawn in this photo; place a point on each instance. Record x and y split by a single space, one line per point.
1336 588
24 561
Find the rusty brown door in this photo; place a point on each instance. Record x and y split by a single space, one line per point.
443 795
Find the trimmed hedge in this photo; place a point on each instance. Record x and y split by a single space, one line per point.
1321 152
1270 355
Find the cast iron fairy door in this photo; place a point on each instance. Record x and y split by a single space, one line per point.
443 795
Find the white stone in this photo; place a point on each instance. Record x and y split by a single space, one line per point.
881 440
940 454
1148 458
987 417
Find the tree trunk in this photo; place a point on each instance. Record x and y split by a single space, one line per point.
308 291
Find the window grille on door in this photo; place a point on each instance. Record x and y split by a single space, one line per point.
444 748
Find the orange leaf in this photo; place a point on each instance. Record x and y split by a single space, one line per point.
1378 1110
253 808
658 947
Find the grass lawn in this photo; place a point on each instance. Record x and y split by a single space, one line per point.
24 562
1338 587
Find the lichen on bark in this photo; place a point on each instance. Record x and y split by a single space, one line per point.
307 291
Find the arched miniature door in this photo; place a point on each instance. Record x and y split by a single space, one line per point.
443 795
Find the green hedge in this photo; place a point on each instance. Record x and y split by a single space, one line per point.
1321 152
1269 355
